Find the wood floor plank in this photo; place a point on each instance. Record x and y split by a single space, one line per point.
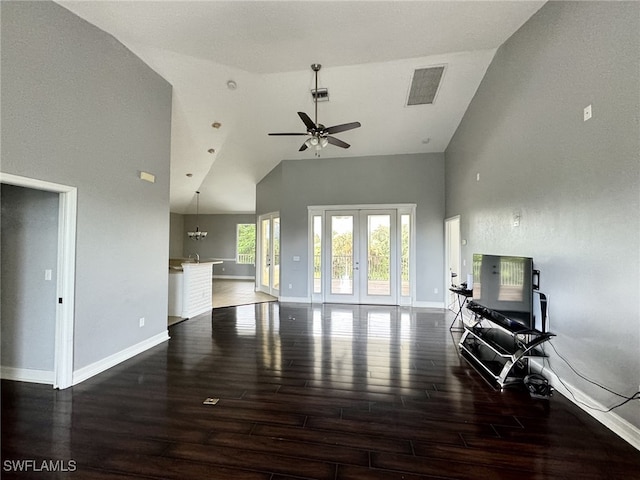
329 437
258 461
305 392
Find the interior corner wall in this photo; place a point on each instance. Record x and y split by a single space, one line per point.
79 109
28 299
523 149
176 235
269 192
387 179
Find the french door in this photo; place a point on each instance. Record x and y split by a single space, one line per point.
361 256
268 271
453 269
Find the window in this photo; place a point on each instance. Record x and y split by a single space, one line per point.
246 243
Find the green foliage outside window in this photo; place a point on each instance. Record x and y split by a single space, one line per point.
246 243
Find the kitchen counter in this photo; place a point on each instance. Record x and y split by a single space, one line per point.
190 288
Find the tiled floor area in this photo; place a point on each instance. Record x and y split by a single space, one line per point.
228 293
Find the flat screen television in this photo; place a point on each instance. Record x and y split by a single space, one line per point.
504 285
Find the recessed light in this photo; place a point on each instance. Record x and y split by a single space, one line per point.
231 85
216 124
211 150
426 140
189 175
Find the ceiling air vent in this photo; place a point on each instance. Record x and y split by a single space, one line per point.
320 95
424 85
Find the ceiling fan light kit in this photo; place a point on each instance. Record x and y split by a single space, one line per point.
319 135
197 234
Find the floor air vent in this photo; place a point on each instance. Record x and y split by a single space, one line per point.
424 85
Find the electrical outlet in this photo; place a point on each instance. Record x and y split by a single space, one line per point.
141 322
587 113
290 286
435 290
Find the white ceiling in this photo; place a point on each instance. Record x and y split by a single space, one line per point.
368 50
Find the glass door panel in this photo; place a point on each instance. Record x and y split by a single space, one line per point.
378 254
265 257
275 271
342 250
405 243
379 242
317 254
268 273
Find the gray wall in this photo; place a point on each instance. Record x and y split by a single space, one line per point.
574 183
297 184
220 243
269 192
80 109
176 235
29 246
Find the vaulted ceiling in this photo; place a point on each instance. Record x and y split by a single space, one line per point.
368 51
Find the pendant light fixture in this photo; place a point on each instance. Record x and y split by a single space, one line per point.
197 235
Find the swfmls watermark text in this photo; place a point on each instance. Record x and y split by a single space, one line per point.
32 465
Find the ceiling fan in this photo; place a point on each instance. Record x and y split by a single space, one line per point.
319 135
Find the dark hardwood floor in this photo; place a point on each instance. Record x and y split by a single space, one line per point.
322 392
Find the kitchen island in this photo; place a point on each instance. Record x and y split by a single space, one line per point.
190 288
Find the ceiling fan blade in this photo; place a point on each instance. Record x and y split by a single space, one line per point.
303 147
342 128
337 142
307 121
280 134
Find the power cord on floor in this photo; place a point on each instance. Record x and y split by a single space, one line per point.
635 396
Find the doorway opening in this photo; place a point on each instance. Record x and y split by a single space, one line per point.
268 250
362 254
453 266
65 278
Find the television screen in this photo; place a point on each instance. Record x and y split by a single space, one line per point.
504 284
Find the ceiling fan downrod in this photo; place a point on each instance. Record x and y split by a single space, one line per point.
316 67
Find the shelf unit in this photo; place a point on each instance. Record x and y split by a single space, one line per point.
499 348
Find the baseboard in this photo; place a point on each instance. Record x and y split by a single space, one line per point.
233 277
196 312
100 366
294 300
614 422
307 300
27 375
428 304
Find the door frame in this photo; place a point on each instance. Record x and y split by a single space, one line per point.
327 255
66 268
401 209
451 232
270 290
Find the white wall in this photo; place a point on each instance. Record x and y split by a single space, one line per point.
80 109
575 184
